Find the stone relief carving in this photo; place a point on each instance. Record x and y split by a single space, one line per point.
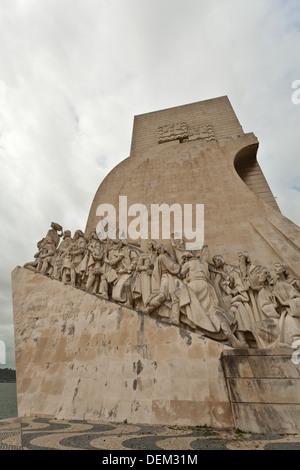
173 131
242 305
183 132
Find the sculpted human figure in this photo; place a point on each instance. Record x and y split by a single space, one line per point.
67 257
62 253
283 273
208 315
249 277
142 287
93 262
118 270
130 281
178 247
47 258
53 236
164 276
78 250
288 300
126 270
266 331
111 259
236 296
38 260
247 270
221 275
50 244
280 308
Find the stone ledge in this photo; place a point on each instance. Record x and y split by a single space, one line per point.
259 352
264 389
266 418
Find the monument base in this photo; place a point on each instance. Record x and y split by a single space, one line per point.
264 389
81 357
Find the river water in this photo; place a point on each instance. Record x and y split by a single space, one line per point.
8 400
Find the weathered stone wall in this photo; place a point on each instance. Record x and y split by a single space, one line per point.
264 388
81 357
216 111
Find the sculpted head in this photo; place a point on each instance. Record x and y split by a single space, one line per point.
160 249
93 235
151 245
56 226
67 234
281 268
263 274
78 234
187 256
218 261
244 256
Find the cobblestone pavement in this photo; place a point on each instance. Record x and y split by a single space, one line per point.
51 434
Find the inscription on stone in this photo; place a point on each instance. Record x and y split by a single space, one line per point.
183 132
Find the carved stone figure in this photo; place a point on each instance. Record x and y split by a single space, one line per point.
283 273
252 283
66 257
142 286
221 274
78 250
61 254
266 330
237 294
36 265
53 236
47 257
280 308
247 270
93 262
208 315
118 270
288 306
49 245
178 247
130 282
164 287
241 305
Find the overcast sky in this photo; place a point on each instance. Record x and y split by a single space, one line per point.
74 73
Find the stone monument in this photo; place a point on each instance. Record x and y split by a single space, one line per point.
133 320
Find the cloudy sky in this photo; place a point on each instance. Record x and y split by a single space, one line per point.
74 73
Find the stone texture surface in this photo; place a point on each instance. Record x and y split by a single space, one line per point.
264 388
81 357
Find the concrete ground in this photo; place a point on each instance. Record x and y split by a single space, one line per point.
51 434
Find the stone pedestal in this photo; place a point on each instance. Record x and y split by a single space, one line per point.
264 389
81 357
